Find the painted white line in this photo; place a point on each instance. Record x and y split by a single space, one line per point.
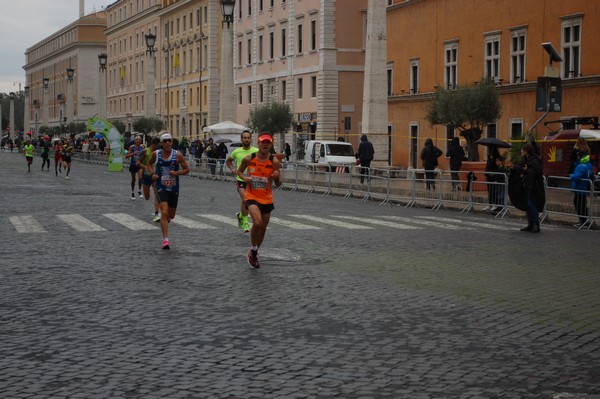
293 225
26 224
381 223
336 223
129 221
79 223
220 218
428 223
466 222
191 223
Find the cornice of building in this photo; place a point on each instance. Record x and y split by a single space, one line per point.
405 3
150 13
175 7
96 19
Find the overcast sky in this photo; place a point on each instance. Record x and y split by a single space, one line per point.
23 23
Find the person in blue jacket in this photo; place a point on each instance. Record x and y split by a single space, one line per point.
580 183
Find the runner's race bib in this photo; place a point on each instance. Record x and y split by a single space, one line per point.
167 181
260 183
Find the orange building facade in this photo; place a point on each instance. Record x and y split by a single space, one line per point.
445 43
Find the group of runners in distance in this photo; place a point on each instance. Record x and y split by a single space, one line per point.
159 166
63 151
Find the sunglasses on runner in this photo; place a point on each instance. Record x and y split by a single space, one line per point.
167 141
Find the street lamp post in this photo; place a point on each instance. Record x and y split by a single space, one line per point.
45 82
26 111
70 105
150 106
226 106
12 115
102 58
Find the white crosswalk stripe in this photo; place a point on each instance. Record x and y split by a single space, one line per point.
293 225
79 223
331 222
492 226
220 218
26 224
428 223
381 222
191 223
129 221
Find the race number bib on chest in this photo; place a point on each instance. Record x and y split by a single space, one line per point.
167 181
259 182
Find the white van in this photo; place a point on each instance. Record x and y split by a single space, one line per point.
328 153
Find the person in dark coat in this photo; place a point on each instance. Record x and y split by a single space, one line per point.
366 153
491 168
456 154
429 156
530 169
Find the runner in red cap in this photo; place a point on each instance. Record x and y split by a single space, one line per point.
262 168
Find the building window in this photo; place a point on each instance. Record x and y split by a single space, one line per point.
239 7
390 80
517 56
299 39
450 65
571 48
414 76
260 48
283 42
249 51
239 58
492 57
271 45
249 7
313 86
261 93
449 137
313 35
300 88
249 94
516 129
491 130
283 90
260 5
240 99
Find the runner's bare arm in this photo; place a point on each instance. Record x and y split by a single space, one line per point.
276 176
242 167
185 169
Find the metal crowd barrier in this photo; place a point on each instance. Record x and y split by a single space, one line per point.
406 187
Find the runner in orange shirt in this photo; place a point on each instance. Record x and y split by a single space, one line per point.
262 169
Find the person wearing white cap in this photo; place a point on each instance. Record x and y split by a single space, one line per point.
170 164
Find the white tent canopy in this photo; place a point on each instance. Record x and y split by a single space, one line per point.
226 127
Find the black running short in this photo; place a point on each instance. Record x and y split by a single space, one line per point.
170 197
264 208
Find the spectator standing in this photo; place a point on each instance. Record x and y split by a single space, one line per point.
287 151
366 152
212 154
581 146
456 154
429 156
580 183
199 152
491 168
530 169
222 152
500 181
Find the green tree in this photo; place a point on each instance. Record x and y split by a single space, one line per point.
146 126
120 126
469 109
74 128
274 117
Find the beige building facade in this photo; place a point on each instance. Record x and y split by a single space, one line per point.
76 46
448 43
308 53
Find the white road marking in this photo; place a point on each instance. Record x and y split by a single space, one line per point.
293 225
129 221
466 222
381 223
79 223
26 224
191 223
336 223
428 223
220 218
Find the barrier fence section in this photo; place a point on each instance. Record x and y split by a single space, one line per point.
412 187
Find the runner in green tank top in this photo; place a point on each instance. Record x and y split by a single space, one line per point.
238 155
